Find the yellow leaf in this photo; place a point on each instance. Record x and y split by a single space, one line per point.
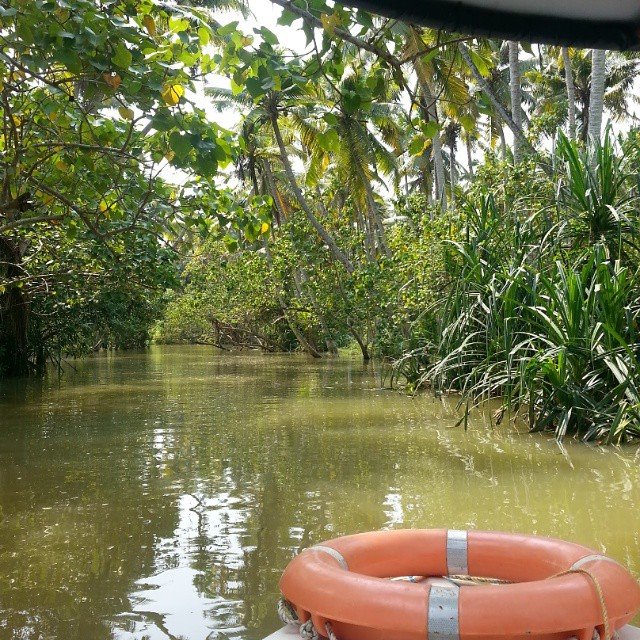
1 86
103 206
127 114
171 94
264 227
330 22
149 24
62 165
63 14
169 156
17 120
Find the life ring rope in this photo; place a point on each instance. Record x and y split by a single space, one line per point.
596 584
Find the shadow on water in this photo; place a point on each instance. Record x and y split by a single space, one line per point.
160 494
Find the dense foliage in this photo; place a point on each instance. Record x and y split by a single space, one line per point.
95 118
445 203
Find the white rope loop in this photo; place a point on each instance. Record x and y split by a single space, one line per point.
308 631
287 612
288 615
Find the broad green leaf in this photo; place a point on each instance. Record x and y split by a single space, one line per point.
180 144
122 56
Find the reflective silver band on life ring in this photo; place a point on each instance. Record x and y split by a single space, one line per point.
590 558
443 619
457 564
336 555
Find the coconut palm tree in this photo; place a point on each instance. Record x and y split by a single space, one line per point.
444 94
571 92
516 96
596 96
550 89
267 112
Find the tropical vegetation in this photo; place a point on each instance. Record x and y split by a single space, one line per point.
463 209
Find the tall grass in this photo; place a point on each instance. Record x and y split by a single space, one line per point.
543 312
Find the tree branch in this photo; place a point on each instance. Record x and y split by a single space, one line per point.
24 222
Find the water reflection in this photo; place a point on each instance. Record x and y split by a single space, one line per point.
160 495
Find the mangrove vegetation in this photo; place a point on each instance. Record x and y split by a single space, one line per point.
464 210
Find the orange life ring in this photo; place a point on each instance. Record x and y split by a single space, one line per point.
555 589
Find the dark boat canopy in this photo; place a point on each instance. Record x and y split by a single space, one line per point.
601 24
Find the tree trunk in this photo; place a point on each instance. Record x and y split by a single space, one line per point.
366 356
300 278
431 114
596 96
498 106
306 207
302 341
453 174
299 281
468 142
281 214
14 315
571 92
503 144
375 221
440 182
516 97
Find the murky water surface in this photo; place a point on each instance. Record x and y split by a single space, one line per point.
160 495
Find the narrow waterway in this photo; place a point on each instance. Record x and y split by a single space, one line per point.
159 495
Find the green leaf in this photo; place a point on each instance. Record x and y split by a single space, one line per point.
268 36
254 87
287 18
417 145
526 47
351 101
163 120
204 36
228 29
122 56
480 62
468 122
331 119
329 140
180 145
430 129
70 59
231 243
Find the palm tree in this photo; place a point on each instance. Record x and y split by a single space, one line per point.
596 97
495 101
429 106
571 92
443 91
369 141
516 96
268 111
550 89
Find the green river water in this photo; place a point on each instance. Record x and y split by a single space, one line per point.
160 494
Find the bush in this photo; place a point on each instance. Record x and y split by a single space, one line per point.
543 312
